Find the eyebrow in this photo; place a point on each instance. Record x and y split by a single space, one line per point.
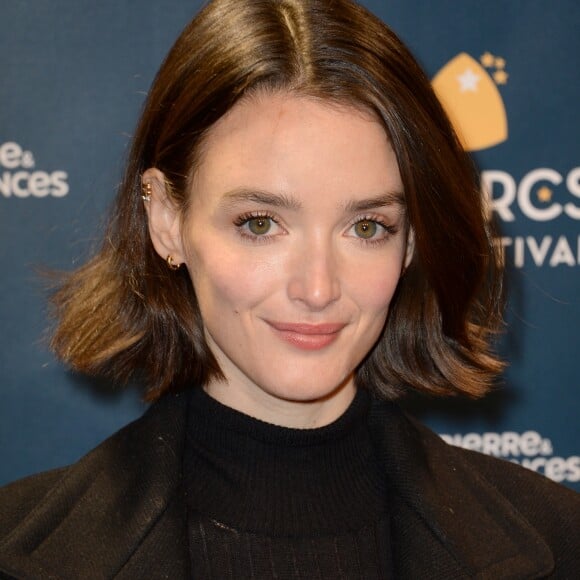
382 200
262 197
285 201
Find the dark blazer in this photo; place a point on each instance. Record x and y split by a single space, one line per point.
119 512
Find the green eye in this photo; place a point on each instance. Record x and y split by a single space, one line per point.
365 229
260 225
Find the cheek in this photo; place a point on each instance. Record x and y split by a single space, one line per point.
375 285
225 279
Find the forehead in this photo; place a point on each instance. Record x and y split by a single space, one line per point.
298 146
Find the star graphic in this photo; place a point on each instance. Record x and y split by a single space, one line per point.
499 62
487 59
545 194
500 77
468 81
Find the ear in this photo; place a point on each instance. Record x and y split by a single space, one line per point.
410 248
164 218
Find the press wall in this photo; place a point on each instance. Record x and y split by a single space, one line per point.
74 76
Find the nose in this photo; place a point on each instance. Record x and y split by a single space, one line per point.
314 278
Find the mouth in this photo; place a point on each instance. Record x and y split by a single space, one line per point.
307 336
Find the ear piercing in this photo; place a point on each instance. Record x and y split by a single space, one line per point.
171 264
146 189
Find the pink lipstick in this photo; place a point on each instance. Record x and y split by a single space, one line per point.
307 336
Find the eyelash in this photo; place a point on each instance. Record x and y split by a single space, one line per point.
244 219
389 229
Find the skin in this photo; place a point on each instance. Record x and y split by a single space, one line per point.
274 237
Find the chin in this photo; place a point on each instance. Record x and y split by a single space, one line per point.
310 389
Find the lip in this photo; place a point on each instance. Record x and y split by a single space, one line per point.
307 336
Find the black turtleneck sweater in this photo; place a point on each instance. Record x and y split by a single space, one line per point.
274 502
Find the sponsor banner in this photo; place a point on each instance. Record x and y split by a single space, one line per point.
69 104
20 177
468 88
529 449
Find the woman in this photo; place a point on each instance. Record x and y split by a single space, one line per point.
299 238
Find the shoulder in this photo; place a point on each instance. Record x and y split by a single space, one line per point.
487 510
122 462
550 508
19 498
526 486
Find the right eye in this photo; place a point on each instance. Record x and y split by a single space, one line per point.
259 226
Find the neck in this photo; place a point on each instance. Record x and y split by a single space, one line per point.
298 414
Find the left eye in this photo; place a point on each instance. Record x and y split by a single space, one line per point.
368 229
259 226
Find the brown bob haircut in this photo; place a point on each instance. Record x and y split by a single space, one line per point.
125 314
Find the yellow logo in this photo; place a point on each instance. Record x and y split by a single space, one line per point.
472 101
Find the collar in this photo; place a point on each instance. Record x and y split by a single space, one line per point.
118 502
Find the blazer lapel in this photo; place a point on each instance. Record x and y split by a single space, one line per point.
447 521
110 507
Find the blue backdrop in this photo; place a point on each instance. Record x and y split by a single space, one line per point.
74 76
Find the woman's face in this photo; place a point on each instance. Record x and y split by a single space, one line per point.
295 241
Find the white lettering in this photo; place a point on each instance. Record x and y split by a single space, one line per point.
10 155
17 179
25 182
451 439
519 252
38 184
556 468
510 444
6 184
491 444
546 448
574 467
60 186
534 464
562 253
525 191
573 185
472 441
530 442
502 190
540 252
501 204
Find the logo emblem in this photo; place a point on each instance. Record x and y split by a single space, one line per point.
470 97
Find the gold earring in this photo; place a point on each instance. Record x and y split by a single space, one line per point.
146 189
171 264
